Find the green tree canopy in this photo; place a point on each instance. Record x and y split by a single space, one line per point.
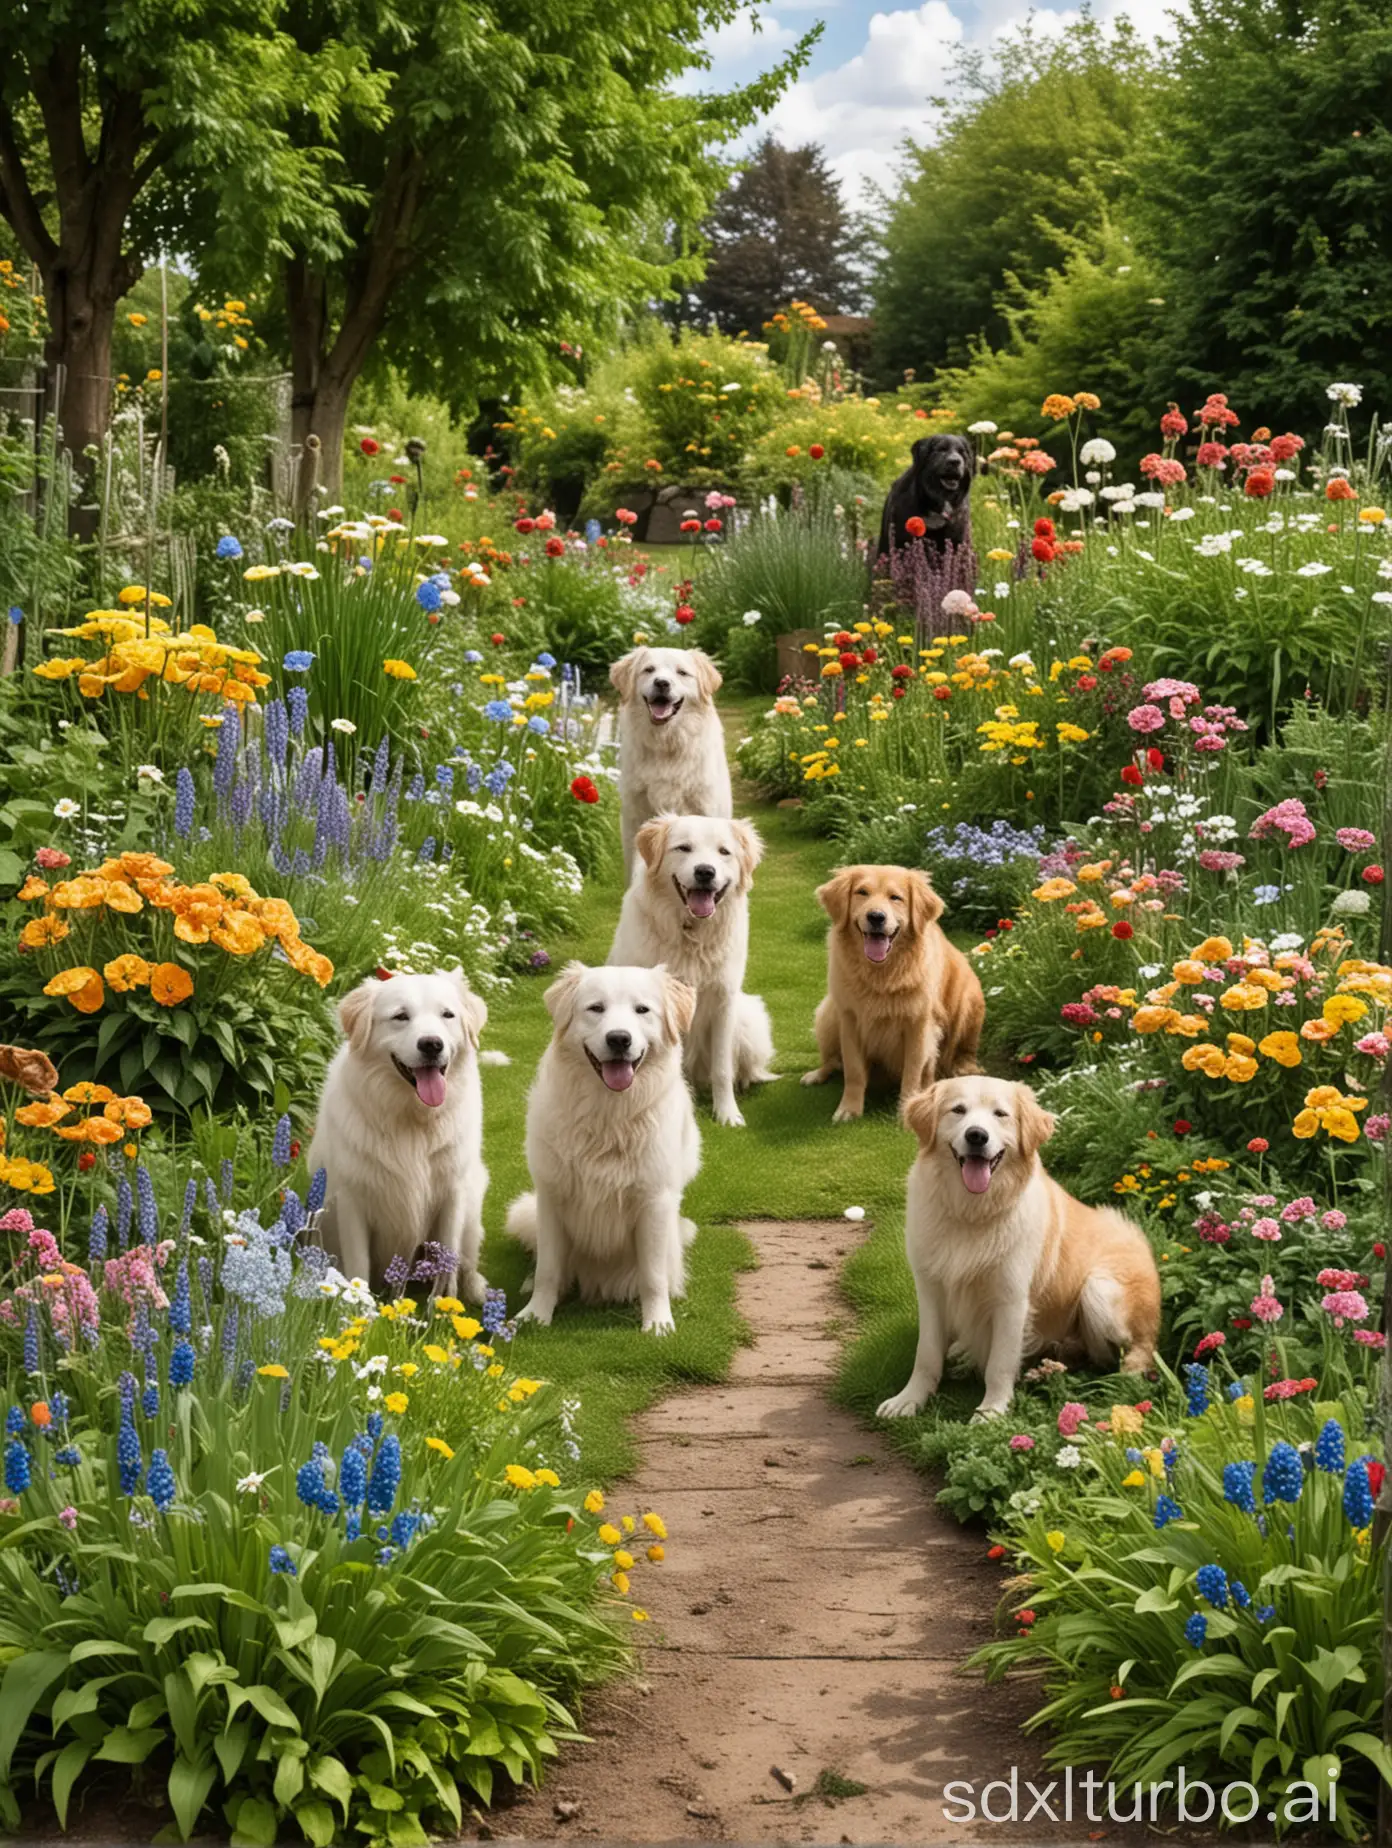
1031 152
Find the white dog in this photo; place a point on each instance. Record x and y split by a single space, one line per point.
687 907
1005 1262
400 1127
671 743
611 1143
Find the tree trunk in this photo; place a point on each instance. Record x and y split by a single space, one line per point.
78 356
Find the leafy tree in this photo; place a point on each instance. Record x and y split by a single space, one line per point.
1280 245
502 196
117 119
1030 154
779 232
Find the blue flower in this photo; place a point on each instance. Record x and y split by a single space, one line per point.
1265 894
16 615
69 1456
499 710
149 1399
280 1143
473 657
160 1481
1236 1389
1265 1612
129 1460
15 1421
1329 1448
1284 1475
185 802
403 1528
1358 1495
1196 1629
147 1213
546 660
352 1527
1241 1597
494 1311
352 1476
1196 1378
31 1342
281 1562
386 1476
181 1364
375 1423
318 1190
1167 1509
228 547
17 1467
1212 1583
1237 1485
428 596
60 1406
297 700
181 1303
298 661
538 725
309 1483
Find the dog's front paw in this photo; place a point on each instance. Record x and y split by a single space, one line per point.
541 1316
817 1077
730 1116
847 1113
659 1321
473 1286
905 1404
985 1413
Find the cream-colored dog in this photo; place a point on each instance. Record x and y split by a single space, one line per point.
687 907
611 1144
400 1128
671 742
899 995
1006 1263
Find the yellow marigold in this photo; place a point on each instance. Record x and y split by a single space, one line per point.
1205 1059
126 972
274 1372
1125 1419
1243 998
1189 970
396 1402
170 984
623 1560
1188 1026
548 1478
1053 889
655 1524
594 1502
1283 1047
1153 1019
1240 1068
520 1478
1339 1010
609 1534
1214 950
39 933
399 670
620 1583
439 1444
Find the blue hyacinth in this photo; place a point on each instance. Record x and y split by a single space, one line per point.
1329 1448
190 1201
1358 1495
1241 1597
31 1342
280 1562
298 661
386 1476
494 1311
181 1364
1284 1475
1236 1389
352 1476
1237 1485
403 1528
185 802
546 660
225 763
297 705
128 1459
228 547
275 728
1212 1582
499 710
125 1206
280 1144
318 1191
17 1469
1264 1613
375 1424
96 1238
181 1303
226 1179
160 1481
147 1213
60 1406
15 1421
428 596
69 1456
149 1401
1196 1380
1196 1629
352 1527
309 1482
1167 1509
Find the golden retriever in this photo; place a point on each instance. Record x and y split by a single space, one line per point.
899 995
687 907
1005 1263
611 1144
671 741
400 1128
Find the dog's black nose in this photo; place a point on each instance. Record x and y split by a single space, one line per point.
661 686
430 1047
977 1138
703 875
619 1042
875 919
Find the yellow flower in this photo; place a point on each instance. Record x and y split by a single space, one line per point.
548 1478
274 1373
610 1534
439 1444
1056 1539
655 1525
1206 1059
496 1371
657 1554
639 1616
594 1502
133 593
408 1369
449 1305
466 1327
1125 1418
1338 1010
628 1523
1072 734
399 670
1053 889
1371 516
620 1583
396 1402
1214 950
1134 1481
520 1478
623 1560
1239 1068
433 1351
1283 1047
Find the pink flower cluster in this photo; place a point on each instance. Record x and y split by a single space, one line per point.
1217 860
1212 1230
1341 1280
1021 1439
1375 1129
1355 840
1288 818
1211 728
1210 1343
1374 1045
1079 1014
1345 1306
1264 1305
1164 471
1266 1229
1072 1416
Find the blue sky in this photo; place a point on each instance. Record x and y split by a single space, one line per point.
867 86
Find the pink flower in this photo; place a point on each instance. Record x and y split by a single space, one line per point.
1288 818
1345 1306
68 1516
18 1219
1183 690
1078 1014
1210 1343
52 858
1021 1439
1375 1128
1303 1208
1145 718
1333 1220
1071 1416
1264 1305
1370 1338
1356 840
1035 462
45 1248
1341 1280
1375 1045
1267 1229
1212 1231
1214 860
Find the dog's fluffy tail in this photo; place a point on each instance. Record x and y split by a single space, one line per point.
522 1220
491 1055
753 1044
688 1231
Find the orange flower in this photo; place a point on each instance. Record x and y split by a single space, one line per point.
33 887
170 984
38 933
1318 1030
84 893
308 962
189 930
89 1093
127 972
123 898
134 1112
40 1414
278 919
239 934
80 985
42 1116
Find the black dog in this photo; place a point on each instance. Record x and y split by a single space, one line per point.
936 487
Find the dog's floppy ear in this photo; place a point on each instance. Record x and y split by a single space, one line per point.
624 674
920 1114
835 896
708 676
925 907
678 1005
651 841
475 1008
922 449
1035 1123
355 1013
560 996
749 846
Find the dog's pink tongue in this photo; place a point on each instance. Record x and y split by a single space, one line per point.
617 1073
430 1085
877 948
701 904
976 1174
659 709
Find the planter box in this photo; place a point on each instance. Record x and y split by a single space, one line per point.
792 661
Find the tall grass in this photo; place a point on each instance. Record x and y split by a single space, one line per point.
798 571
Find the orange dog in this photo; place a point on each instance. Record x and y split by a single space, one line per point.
899 995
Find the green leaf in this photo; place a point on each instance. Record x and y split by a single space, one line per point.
189 1785
159 1629
317 1821
230 1746
145 1712
267 1703
332 1777
1240 1716
289 1780
1374 1750
65 1774
1332 1667
1155 1600
122 1746
295 1630
94 1646
27 1679
256 1824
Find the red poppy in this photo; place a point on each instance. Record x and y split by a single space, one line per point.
1376 1474
1086 682
1043 551
524 525
1025 1619
555 548
1043 529
902 672
1005 923
685 614
397 481
714 526
995 1552
915 527
844 639
1130 774
1258 1145
691 526
497 640
394 513
850 661
869 656
1182 1126
369 446
816 451
1156 759
87 1159
1122 931
941 692
1373 875
583 789
624 517
1340 489
899 692
1259 483
1379 1250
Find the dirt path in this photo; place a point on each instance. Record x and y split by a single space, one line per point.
811 1614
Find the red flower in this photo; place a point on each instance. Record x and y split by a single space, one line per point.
497 640
524 525
1025 1619
1373 875
397 481
294 1148
938 692
1174 422
1216 1340
899 691
1043 551
1340 489
369 446
394 513
1379 1250
1043 529
555 548
1130 774
691 526
1005 923
51 858
1116 1691
624 517
995 1552
684 614
849 661
1122 931
816 451
1143 1406
1182 1126
1086 682
1321 779
583 789
915 527
714 526
902 672
87 1159
1376 1474
1211 455
1259 483
844 639
1241 1321
869 656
